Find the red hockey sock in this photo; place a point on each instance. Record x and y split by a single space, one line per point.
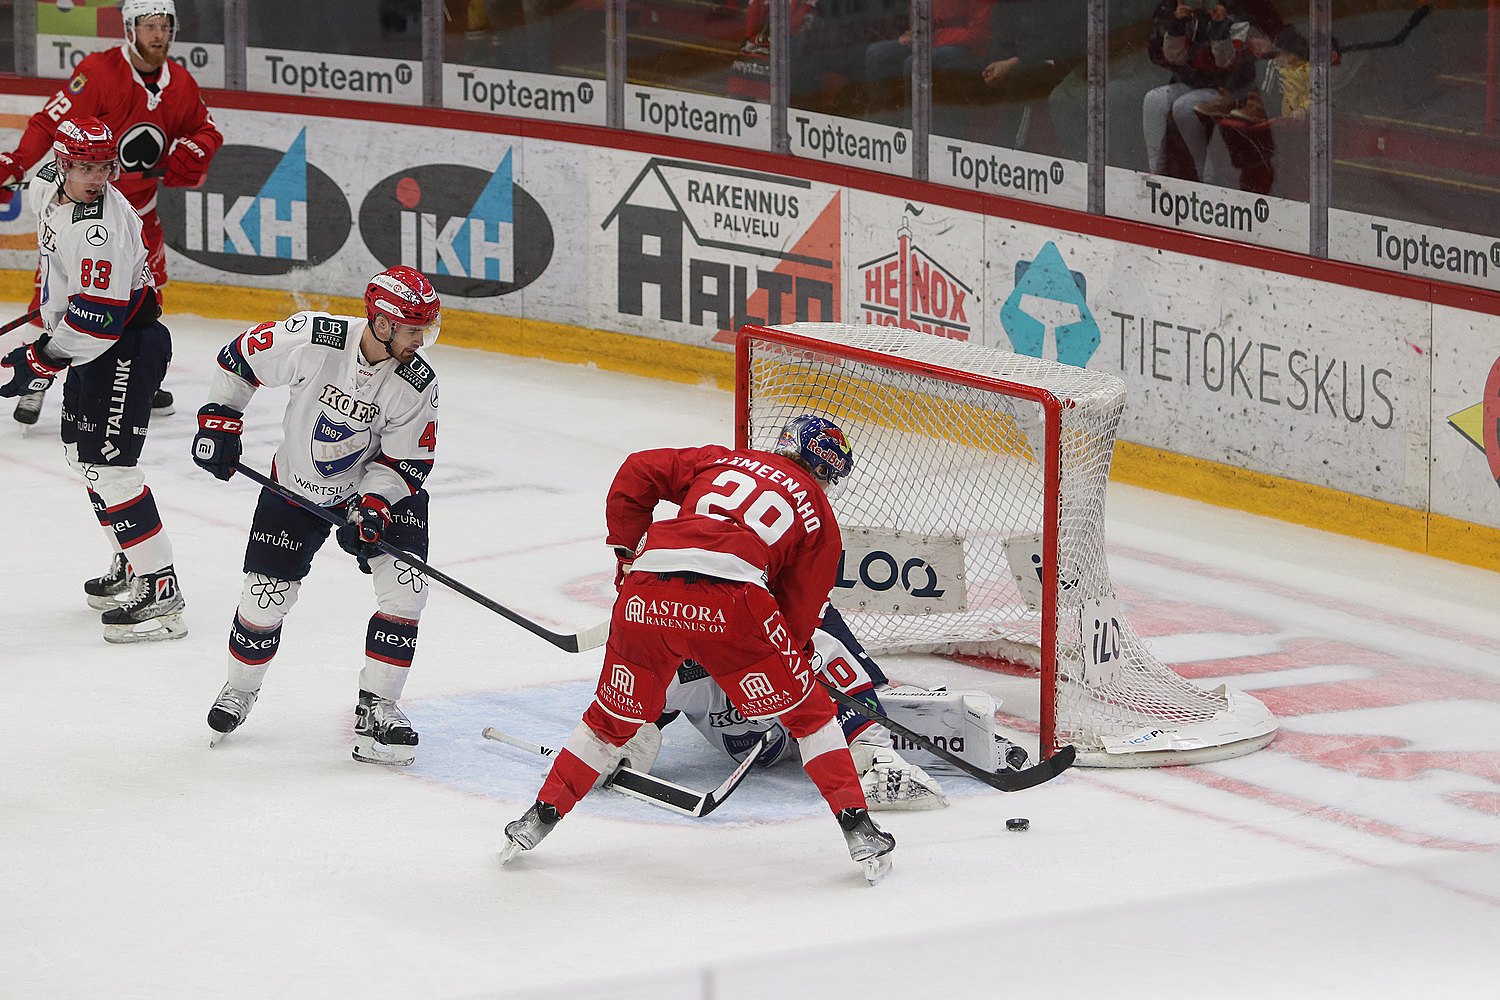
570 780
836 778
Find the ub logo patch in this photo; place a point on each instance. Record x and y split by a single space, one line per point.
336 446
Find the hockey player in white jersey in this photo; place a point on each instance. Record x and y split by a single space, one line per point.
962 722
103 328
359 438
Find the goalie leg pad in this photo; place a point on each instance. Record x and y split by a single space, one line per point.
962 722
892 783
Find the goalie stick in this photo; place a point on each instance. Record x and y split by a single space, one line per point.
20 321
1006 781
575 642
648 787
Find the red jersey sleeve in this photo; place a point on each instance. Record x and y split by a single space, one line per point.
73 98
802 587
645 479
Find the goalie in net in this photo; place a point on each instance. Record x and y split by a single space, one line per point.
979 527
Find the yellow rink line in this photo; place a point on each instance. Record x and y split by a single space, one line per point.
1165 472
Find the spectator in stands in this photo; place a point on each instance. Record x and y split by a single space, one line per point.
1204 45
1034 44
750 75
960 36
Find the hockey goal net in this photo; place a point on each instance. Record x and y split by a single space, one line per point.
974 523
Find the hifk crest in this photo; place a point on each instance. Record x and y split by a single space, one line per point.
336 447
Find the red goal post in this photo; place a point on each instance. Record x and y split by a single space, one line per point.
974 523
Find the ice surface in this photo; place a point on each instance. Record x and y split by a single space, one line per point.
1356 857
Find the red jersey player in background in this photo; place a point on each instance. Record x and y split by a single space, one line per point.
153 107
736 582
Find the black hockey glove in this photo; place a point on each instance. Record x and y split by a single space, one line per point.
216 446
367 523
33 369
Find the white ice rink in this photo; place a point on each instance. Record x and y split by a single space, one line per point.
1355 857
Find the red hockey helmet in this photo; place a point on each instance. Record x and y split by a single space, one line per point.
404 295
85 139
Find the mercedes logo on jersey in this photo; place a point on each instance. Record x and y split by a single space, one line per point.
141 147
97 236
336 446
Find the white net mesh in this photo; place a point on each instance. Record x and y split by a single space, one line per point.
945 517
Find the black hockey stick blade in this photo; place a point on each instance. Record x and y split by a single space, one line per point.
648 787
32 316
575 642
1006 781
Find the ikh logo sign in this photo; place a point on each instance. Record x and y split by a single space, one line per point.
1046 290
472 232
1480 423
907 288
260 212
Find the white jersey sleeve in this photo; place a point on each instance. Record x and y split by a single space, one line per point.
92 268
351 427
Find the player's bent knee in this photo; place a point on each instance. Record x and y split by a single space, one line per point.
812 715
265 600
114 484
400 592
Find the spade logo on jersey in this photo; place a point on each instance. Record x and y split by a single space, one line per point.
336 446
472 232
261 211
141 147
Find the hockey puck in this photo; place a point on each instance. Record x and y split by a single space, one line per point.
1018 824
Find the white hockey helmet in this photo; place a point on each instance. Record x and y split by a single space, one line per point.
133 10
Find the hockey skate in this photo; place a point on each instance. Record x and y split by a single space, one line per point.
152 614
868 844
113 588
29 407
382 732
162 404
229 710
525 833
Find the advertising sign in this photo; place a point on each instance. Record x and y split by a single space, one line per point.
692 251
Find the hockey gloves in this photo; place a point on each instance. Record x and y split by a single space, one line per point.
216 446
367 523
11 175
187 164
624 558
32 369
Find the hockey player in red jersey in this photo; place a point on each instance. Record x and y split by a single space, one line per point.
736 581
153 107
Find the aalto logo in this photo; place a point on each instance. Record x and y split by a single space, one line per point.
622 680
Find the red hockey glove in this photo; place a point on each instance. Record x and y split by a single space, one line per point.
11 175
34 369
187 164
624 558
